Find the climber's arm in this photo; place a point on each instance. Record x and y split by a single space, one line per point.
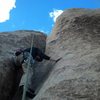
46 57
49 58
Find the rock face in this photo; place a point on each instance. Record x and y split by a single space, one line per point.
9 42
75 38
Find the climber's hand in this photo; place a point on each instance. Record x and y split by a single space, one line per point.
56 60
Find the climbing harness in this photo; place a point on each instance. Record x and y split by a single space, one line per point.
27 73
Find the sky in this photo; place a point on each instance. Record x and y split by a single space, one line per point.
39 15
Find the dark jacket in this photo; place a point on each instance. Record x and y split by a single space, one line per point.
37 52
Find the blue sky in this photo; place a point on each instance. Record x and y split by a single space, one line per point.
35 14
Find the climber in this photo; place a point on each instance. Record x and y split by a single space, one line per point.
37 54
22 56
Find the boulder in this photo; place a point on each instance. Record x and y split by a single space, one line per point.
76 39
9 43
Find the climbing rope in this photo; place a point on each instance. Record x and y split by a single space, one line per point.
27 72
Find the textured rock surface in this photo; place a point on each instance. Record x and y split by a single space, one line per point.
75 38
9 42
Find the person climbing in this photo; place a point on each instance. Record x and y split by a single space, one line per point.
22 58
37 54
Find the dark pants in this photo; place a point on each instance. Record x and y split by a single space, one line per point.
19 93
